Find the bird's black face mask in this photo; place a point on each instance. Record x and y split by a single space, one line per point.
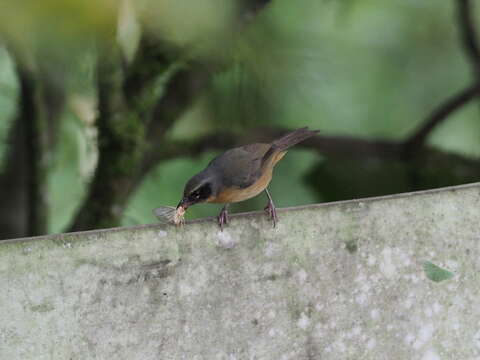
199 195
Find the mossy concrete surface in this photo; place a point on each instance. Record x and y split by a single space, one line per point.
386 278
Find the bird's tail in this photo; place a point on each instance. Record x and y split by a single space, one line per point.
293 138
282 144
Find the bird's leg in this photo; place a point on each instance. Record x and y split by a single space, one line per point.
270 209
223 217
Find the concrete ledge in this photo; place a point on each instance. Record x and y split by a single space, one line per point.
387 278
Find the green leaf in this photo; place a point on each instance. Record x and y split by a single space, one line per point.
436 273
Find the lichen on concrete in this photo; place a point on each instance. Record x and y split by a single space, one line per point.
336 281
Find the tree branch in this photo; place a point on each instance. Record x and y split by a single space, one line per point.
445 109
468 35
440 113
336 147
326 145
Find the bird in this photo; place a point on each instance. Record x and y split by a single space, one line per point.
239 174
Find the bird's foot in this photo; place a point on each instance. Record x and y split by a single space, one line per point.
223 217
271 212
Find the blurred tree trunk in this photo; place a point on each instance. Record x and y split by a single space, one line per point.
136 108
121 140
13 183
23 183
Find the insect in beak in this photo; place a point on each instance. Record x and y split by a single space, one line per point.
169 214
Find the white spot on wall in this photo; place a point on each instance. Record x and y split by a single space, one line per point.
361 299
302 276
404 259
356 331
270 249
371 260
303 322
192 285
375 314
27 249
340 345
224 356
426 332
476 339
452 287
430 355
455 324
387 267
408 303
458 301
254 224
424 335
409 338
319 331
414 278
371 343
451 264
161 234
437 307
225 240
366 287
428 312
361 278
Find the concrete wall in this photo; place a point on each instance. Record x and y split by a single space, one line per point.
387 278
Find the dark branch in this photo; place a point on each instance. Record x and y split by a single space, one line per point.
468 34
417 140
326 145
335 147
444 110
181 91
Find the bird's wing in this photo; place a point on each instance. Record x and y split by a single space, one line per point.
241 167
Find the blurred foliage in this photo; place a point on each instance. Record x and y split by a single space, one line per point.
362 68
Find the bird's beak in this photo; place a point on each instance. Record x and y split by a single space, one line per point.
184 203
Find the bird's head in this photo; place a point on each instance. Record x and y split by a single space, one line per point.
197 190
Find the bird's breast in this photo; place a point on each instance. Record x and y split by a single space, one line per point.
236 194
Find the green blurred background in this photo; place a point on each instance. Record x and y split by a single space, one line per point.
366 69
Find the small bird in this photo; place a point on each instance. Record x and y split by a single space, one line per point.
240 174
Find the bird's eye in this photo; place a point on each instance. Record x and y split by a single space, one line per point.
195 195
200 194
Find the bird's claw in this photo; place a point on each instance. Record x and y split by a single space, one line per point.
271 212
222 218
